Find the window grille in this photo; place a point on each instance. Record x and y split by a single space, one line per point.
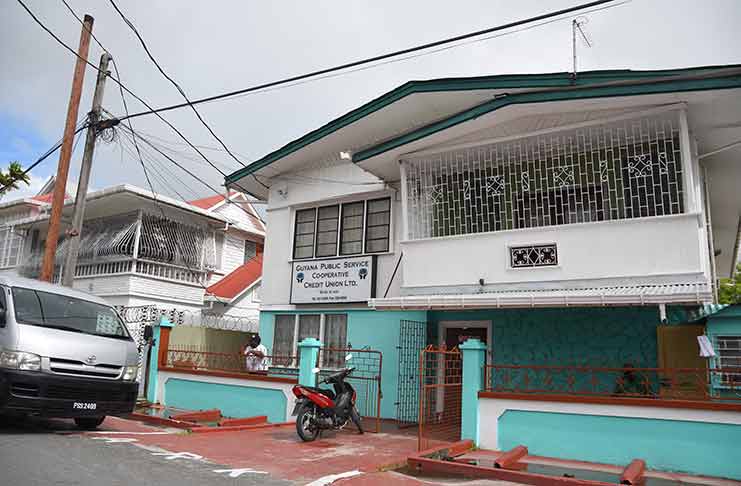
620 170
533 256
729 356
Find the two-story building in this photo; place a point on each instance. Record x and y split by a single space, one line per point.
570 223
197 261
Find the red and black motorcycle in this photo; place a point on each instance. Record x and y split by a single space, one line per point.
320 409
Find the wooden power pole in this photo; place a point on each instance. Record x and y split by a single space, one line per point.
70 262
60 184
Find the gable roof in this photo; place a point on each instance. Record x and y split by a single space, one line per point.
552 82
238 281
207 202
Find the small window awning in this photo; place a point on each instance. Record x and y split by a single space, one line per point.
691 294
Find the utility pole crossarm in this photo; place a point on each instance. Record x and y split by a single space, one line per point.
75 233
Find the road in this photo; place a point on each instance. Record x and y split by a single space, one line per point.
37 452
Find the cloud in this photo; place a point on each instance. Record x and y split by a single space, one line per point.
23 191
212 48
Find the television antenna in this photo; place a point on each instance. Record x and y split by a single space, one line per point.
577 25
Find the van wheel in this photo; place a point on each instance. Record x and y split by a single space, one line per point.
89 423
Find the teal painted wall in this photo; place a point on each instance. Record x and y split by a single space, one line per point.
667 445
379 330
726 322
233 401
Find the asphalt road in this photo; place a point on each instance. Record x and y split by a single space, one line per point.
51 452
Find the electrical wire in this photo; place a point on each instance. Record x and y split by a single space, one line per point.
174 83
117 81
378 58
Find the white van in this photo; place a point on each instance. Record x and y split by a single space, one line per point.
63 353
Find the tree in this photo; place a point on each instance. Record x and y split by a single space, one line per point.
729 291
9 180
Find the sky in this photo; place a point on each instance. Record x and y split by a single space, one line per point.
218 46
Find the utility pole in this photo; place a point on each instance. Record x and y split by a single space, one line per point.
60 185
70 263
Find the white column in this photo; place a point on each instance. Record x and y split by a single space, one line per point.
404 205
689 178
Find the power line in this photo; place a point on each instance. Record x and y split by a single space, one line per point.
381 57
138 98
173 82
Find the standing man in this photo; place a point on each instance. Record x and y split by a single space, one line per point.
255 355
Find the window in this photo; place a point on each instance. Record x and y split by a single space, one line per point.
256 293
615 170
377 225
326 231
729 356
11 243
250 250
62 312
331 329
351 236
343 229
303 242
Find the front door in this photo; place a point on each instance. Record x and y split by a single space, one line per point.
678 349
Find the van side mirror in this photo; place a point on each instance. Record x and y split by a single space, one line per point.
148 333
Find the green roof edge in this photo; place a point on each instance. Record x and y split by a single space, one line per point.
512 81
595 92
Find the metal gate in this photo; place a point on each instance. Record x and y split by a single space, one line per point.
365 379
441 374
412 341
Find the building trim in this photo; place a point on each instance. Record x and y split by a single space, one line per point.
517 81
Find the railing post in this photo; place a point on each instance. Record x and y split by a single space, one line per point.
473 354
308 350
161 339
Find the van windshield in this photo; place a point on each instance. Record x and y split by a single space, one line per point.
67 313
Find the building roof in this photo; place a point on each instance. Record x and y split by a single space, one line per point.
207 202
393 120
238 281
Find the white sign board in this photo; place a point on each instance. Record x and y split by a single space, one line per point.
333 281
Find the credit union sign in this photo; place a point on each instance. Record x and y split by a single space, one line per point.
333 281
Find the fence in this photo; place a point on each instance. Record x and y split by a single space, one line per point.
700 384
189 358
441 382
365 379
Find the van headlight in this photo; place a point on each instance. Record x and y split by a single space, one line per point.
18 360
130 373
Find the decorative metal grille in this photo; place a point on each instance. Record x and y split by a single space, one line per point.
533 256
619 170
412 341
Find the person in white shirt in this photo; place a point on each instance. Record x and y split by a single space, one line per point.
255 355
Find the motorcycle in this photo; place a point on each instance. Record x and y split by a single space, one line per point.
320 409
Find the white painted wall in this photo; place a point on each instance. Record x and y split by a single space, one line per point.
302 192
233 254
490 409
661 249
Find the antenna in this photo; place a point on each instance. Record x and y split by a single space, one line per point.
576 25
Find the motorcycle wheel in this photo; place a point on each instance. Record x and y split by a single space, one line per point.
306 425
355 416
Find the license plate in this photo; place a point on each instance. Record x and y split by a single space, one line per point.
84 406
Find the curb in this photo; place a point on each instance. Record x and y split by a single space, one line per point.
236 428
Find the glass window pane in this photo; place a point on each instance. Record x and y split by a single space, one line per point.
250 250
351 239
27 306
283 339
303 243
377 225
308 326
335 337
328 219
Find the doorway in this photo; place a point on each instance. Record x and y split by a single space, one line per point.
454 333
679 350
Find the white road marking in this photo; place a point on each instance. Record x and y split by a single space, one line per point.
178 455
235 473
116 440
334 477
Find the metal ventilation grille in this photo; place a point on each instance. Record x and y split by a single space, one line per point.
619 170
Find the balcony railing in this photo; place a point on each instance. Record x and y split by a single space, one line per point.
694 384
